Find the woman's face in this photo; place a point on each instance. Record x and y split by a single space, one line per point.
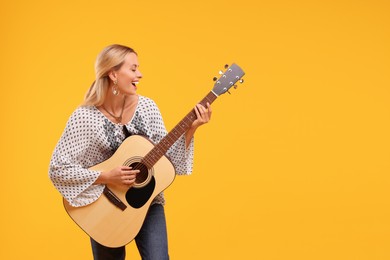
128 75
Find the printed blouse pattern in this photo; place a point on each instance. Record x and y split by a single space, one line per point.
90 138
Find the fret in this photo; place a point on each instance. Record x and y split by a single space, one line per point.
192 116
159 152
152 156
183 125
176 133
188 121
164 142
171 139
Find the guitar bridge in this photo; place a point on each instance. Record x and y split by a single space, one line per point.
114 199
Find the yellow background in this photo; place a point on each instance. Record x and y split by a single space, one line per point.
295 163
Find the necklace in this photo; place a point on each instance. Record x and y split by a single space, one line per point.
117 118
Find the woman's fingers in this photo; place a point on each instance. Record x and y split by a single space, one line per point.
128 175
203 114
209 110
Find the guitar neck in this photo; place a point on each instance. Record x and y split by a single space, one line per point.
162 147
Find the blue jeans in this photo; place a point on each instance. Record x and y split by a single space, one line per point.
152 241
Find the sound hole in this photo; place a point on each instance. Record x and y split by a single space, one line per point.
143 176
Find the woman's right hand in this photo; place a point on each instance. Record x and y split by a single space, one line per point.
121 175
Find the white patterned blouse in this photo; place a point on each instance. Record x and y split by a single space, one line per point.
90 138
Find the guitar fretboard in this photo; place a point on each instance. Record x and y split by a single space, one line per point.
162 147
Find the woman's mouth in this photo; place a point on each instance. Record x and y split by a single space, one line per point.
135 84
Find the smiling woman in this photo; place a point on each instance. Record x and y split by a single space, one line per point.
112 111
113 60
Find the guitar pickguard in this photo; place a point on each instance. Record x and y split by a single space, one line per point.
137 197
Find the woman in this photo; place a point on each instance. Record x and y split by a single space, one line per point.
111 111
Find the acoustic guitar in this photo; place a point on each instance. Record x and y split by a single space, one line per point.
116 217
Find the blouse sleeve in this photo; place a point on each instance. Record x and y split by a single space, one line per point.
181 157
70 161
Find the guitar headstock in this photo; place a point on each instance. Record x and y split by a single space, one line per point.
228 79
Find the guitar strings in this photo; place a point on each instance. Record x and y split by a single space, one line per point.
208 98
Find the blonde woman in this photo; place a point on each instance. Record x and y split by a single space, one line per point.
111 111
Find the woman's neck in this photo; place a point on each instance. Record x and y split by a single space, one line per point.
114 103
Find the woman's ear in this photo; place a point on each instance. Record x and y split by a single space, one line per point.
112 75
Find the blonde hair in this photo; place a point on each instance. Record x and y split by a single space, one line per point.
110 58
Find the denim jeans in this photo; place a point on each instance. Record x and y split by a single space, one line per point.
151 241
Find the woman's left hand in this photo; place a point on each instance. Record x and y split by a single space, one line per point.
203 115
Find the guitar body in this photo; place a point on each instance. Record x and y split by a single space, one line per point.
105 222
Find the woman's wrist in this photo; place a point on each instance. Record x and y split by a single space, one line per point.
102 179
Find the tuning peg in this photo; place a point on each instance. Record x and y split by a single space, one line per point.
215 79
229 92
226 66
235 86
241 81
220 72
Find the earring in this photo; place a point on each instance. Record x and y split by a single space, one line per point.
115 91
